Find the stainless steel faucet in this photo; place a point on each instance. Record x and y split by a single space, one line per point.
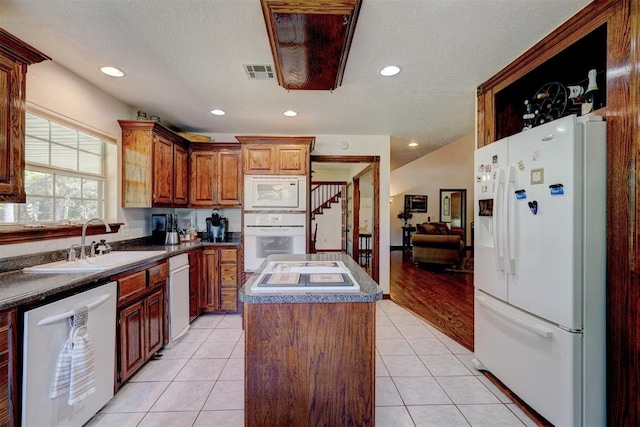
83 255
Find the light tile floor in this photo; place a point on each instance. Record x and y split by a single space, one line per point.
423 378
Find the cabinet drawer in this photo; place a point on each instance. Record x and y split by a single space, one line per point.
228 275
158 274
228 255
129 285
228 299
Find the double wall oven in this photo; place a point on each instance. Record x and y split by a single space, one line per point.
275 217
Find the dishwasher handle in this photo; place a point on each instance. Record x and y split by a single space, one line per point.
67 314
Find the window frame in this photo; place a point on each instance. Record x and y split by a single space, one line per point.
20 232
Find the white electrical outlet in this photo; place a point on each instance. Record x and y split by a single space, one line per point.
124 229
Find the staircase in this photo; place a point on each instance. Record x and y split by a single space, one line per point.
323 195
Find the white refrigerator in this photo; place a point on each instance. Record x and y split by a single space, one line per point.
539 271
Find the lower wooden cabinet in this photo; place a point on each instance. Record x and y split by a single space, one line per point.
219 291
195 277
142 317
132 353
7 368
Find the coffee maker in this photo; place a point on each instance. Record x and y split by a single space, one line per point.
216 227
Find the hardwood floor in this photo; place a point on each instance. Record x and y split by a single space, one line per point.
443 298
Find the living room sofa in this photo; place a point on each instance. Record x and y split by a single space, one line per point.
436 243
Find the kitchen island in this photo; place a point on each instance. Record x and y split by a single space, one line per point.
309 323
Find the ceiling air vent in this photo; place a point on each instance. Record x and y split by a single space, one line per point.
258 72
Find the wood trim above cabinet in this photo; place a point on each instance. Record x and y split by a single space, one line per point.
19 51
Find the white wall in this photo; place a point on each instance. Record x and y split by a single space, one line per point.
367 145
448 167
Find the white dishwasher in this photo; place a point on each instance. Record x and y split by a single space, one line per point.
46 330
178 297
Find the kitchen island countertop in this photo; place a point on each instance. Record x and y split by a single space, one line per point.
369 291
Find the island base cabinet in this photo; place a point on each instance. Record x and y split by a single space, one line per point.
309 364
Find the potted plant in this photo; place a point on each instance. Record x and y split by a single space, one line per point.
405 215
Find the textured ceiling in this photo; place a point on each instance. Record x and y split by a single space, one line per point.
184 58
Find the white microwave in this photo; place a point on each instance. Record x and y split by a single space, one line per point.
275 192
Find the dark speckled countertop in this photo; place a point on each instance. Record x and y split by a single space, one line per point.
18 288
370 291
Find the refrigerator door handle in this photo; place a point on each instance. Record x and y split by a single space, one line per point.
510 225
497 219
537 329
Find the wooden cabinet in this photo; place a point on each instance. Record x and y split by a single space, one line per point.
219 291
180 175
216 175
293 349
142 316
155 165
276 155
15 56
195 278
132 353
8 376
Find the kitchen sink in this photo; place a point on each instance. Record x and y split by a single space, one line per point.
94 264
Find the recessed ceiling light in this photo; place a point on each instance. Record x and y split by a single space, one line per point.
413 144
390 70
112 71
218 112
290 113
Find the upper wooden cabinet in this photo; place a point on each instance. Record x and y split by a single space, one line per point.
216 175
15 56
535 88
276 155
155 165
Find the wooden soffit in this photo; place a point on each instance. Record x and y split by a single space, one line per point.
310 40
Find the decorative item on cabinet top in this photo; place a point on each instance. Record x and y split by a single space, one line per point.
554 100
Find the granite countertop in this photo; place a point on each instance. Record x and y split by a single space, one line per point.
370 291
18 288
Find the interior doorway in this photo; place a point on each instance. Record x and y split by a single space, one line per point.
362 184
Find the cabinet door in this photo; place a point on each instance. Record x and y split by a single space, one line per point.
132 348
7 365
203 175
154 322
292 159
195 260
210 288
12 87
228 280
259 159
229 179
181 175
162 170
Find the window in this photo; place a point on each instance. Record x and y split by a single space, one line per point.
64 175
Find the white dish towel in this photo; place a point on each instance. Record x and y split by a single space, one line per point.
75 372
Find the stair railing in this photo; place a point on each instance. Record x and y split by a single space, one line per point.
323 194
